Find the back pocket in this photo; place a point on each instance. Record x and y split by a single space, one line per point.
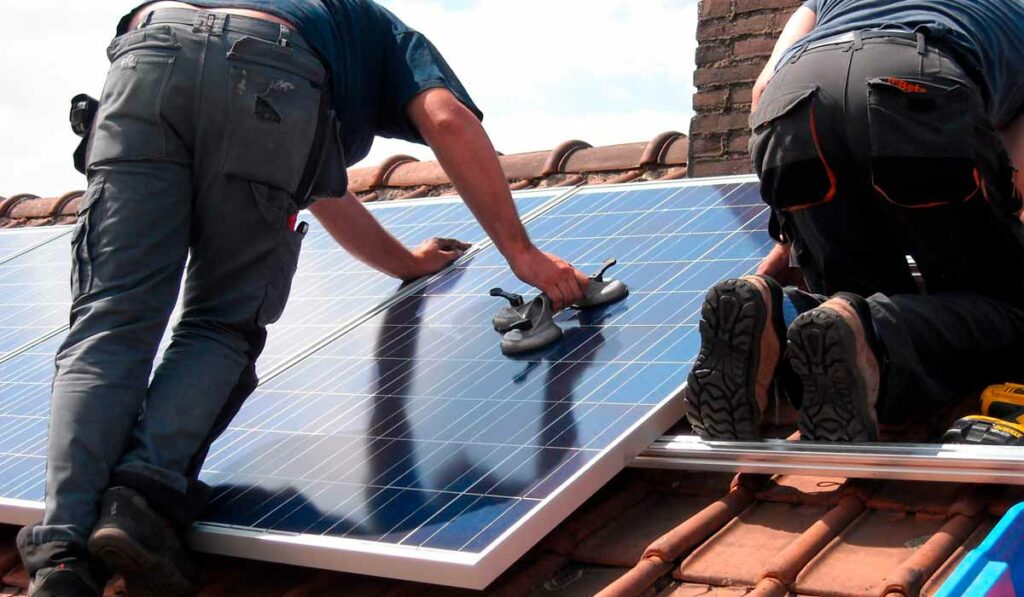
787 151
922 142
274 113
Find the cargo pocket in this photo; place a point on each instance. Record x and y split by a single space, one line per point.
275 106
81 244
787 154
283 259
922 142
129 122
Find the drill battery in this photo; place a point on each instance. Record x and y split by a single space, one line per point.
985 431
1001 422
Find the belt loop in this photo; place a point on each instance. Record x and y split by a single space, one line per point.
218 24
922 45
283 37
858 41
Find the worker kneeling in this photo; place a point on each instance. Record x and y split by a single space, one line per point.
879 131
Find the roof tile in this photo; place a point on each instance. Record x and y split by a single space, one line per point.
625 539
521 166
737 555
876 541
917 496
604 159
950 565
794 489
909 576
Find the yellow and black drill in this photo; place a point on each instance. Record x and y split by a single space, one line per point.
1001 422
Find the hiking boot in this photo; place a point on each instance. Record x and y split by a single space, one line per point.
741 333
831 351
70 579
58 568
131 538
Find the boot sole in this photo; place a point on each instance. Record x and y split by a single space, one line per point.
145 574
822 353
720 391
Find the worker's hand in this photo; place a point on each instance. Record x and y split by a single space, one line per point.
433 255
563 283
777 266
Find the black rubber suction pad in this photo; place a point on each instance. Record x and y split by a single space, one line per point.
603 292
533 332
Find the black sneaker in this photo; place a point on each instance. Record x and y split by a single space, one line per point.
834 356
741 333
131 538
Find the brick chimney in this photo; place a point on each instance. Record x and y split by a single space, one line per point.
735 38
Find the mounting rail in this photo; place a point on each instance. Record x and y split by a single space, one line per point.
914 462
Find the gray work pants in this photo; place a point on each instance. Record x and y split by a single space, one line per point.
204 134
877 148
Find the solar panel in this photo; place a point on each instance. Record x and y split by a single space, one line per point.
14 241
411 438
407 445
24 409
331 287
34 294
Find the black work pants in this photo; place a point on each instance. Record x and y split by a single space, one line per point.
875 149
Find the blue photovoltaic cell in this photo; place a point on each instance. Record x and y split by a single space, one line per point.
414 430
16 240
331 286
34 294
24 415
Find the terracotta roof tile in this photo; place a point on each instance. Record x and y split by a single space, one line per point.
856 562
737 555
522 166
947 568
625 539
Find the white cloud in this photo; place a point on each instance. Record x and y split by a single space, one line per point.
544 71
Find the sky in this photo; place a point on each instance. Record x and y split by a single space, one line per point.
543 72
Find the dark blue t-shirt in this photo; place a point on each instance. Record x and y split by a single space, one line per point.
989 33
377 64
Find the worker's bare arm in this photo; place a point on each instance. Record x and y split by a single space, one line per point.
465 152
354 228
1013 141
800 24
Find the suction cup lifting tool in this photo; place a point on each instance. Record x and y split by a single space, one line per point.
513 312
602 292
535 330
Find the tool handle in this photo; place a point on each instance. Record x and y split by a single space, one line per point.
515 299
599 276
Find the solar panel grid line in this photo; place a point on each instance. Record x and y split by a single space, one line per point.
410 289
59 231
409 227
707 250
32 344
499 391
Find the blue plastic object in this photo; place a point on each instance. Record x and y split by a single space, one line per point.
996 567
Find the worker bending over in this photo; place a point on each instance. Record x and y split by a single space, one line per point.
219 121
882 129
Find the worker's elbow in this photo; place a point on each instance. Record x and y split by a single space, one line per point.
439 114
